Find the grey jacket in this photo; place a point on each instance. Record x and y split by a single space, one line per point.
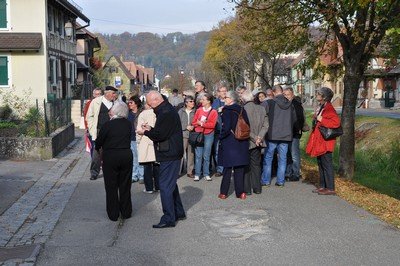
281 116
258 122
184 120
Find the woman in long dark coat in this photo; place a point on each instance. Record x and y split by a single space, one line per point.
114 140
234 154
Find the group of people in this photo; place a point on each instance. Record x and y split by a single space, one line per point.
150 142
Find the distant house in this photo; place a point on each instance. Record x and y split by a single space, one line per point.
38 47
87 45
382 82
128 76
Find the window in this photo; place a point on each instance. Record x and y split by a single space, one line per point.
61 24
72 72
53 71
5 71
50 19
4 14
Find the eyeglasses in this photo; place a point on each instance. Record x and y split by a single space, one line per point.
190 101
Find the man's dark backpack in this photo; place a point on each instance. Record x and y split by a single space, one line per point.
242 130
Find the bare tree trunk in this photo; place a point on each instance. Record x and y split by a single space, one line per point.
347 141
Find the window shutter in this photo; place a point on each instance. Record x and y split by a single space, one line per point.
3 71
3 13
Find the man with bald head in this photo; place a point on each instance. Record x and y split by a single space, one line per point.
168 144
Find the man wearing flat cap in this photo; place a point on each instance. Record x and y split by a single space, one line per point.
96 117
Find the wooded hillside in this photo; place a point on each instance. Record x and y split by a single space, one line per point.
166 53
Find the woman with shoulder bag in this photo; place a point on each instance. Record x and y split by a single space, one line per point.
204 122
325 115
234 153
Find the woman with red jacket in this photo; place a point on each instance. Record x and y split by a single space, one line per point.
325 115
204 120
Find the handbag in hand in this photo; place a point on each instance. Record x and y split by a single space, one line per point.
196 138
330 133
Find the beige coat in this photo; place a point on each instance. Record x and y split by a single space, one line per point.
92 116
145 146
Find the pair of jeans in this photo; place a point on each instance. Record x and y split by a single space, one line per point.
282 147
203 155
137 169
293 165
218 168
326 172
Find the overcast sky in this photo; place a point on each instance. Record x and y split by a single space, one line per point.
156 16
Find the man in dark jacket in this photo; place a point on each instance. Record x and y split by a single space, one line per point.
293 163
168 143
280 133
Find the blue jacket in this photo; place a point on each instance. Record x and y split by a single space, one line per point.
232 152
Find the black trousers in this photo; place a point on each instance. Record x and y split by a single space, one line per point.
169 192
326 173
117 169
238 177
252 176
151 175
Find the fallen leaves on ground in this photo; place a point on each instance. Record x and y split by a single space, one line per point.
383 206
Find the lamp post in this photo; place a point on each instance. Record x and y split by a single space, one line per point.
182 73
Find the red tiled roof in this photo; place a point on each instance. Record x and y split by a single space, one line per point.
10 41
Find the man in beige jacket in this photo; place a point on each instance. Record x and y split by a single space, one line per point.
96 117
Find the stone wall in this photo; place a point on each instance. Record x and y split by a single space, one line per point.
37 148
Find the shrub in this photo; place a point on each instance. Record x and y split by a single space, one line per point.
33 125
5 112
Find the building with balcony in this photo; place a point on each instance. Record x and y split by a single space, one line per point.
38 47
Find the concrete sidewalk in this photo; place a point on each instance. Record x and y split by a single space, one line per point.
33 196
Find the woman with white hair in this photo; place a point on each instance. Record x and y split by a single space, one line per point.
114 141
233 154
258 128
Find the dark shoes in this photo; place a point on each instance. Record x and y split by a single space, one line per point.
292 178
218 174
257 192
327 192
280 185
317 190
190 175
265 185
180 218
93 177
162 225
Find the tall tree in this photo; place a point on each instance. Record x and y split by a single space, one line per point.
358 25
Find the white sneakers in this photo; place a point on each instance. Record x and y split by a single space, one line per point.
207 177
148 191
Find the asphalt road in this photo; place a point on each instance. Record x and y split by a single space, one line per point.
289 226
